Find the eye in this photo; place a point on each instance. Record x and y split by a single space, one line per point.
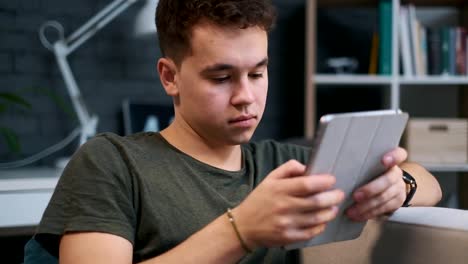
220 79
256 75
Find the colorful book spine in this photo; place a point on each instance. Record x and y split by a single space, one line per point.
423 50
461 51
415 44
445 50
373 60
385 43
405 43
434 43
466 55
452 53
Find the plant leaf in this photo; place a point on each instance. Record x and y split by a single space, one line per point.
15 99
3 108
57 99
11 139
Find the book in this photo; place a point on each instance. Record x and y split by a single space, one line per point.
414 39
423 49
460 51
452 53
434 46
373 58
405 43
445 50
418 55
385 33
466 56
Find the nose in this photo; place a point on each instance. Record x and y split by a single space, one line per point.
243 92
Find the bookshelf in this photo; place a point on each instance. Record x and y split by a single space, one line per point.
430 80
351 79
394 83
313 79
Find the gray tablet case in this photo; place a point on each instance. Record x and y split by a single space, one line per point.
351 146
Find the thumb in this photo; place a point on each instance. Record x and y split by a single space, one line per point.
394 157
291 168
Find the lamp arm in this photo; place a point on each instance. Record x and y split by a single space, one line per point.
64 46
88 123
98 21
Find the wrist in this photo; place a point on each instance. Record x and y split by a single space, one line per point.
411 187
241 230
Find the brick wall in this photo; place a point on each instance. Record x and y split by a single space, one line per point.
113 66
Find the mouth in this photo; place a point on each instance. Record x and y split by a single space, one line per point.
243 120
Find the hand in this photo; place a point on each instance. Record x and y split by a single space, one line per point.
384 194
287 207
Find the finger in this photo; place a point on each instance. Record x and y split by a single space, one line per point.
310 204
380 184
289 169
395 192
308 220
394 157
297 235
303 186
389 206
322 200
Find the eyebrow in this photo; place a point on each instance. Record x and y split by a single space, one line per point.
223 67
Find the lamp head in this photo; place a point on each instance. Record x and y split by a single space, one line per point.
144 21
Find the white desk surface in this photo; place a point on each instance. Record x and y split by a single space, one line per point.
24 194
33 178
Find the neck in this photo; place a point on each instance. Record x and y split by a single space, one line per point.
226 157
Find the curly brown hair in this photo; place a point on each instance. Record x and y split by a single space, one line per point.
175 20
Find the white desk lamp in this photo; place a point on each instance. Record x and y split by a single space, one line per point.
65 46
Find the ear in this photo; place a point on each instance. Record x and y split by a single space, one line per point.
167 74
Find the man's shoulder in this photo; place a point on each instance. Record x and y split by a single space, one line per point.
111 138
129 139
109 143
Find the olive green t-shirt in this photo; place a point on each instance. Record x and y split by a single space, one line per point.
145 190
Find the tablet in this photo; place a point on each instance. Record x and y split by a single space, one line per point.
351 146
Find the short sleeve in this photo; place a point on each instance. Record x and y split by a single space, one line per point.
94 194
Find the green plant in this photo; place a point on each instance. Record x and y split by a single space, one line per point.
16 103
8 100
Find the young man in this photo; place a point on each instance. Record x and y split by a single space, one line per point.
163 197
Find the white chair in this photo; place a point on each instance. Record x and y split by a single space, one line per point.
411 235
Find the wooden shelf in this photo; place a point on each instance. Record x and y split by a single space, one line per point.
337 79
445 167
435 80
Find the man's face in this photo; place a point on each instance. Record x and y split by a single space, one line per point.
222 84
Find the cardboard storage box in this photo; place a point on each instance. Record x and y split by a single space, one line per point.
441 140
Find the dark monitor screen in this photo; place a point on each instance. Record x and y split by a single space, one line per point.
145 116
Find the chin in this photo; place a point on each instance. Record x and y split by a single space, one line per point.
242 138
